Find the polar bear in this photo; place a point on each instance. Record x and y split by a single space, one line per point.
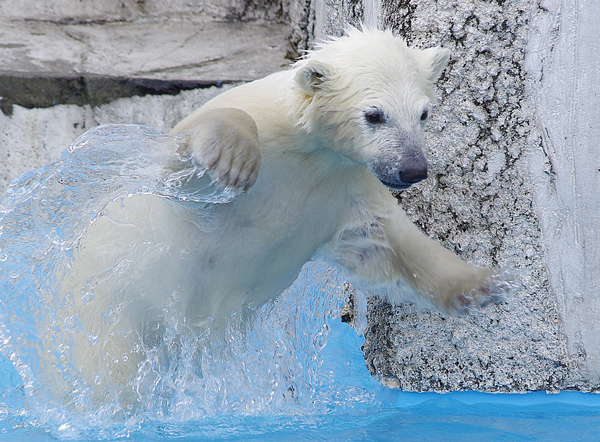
315 149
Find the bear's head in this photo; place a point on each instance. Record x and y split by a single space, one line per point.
367 95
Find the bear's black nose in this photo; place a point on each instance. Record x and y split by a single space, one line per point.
412 176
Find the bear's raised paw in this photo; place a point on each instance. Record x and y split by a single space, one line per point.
224 141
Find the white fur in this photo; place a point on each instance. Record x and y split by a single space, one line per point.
316 194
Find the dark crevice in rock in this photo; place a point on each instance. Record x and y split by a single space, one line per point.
41 91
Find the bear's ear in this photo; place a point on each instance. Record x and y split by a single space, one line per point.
312 77
433 61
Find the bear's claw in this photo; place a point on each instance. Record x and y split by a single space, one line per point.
496 289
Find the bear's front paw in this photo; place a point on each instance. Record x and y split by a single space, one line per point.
493 286
225 142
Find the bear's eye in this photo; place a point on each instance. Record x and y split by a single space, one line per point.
374 116
424 115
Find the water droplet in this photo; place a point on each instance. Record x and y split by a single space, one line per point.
175 295
112 316
71 322
87 297
69 299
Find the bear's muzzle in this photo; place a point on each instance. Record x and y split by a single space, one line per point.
400 167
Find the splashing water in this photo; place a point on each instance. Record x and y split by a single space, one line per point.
271 378
269 364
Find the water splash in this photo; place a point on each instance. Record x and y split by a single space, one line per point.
269 365
272 378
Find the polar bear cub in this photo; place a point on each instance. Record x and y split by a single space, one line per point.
336 132
316 148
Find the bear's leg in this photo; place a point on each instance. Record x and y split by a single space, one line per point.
437 274
225 141
389 254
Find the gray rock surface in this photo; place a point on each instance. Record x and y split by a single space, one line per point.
484 201
47 63
478 203
68 65
169 50
106 11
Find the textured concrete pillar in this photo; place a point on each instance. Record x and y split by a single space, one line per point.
562 58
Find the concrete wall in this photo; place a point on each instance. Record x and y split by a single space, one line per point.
564 145
293 13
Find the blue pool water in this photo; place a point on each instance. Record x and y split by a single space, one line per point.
295 373
376 414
